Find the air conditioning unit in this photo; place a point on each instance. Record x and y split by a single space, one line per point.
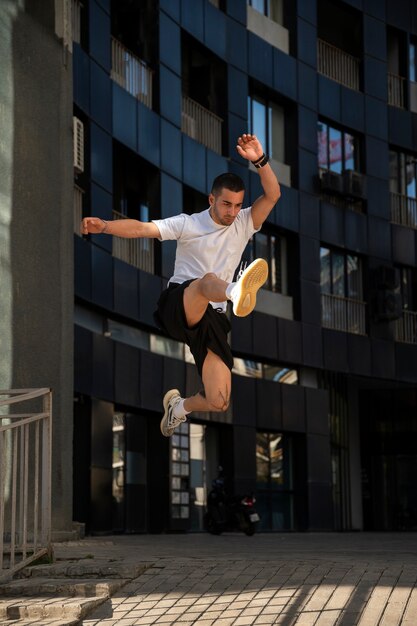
78 142
331 182
354 184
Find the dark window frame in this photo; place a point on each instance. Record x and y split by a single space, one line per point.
345 256
357 156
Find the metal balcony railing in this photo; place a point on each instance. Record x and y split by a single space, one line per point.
405 328
343 314
396 90
136 252
131 73
338 65
403 210
25 479
201 124
78 209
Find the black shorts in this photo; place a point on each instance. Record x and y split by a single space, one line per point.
210 332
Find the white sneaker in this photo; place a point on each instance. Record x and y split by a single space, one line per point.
169 422
244 292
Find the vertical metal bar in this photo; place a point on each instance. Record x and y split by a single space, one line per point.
21 488
26 489
15 436
36 489
46 470
2 495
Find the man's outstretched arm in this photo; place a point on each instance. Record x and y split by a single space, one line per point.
119 228
249 147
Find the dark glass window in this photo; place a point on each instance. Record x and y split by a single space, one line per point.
274 481
272 248
118 465
266 121
408 288
340 274
337 150
180 473
413 61
403 173
270 8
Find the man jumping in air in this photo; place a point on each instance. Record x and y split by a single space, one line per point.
209 249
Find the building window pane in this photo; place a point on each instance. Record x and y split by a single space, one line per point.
281 374
258 5
277 134
325 275
276 456
322 138
393 172
118 465
411 176
259 122
413 62
338 274
273 475
262 459
350 153
354 280
335 150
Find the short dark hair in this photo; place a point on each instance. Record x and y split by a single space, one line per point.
229 181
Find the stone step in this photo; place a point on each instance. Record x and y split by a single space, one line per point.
70 610
86 568
36 622
68 587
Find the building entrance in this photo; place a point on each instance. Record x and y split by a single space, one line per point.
388 420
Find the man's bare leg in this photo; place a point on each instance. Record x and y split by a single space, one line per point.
199 293
217 387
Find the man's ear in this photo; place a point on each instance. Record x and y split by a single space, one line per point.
211 199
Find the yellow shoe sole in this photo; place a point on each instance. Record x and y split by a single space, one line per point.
247 287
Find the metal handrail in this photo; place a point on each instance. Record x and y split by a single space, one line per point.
201 124
396 90
131 73
25 480
135 251
345 314
403 209
338 64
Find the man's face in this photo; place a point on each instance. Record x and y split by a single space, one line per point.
225 206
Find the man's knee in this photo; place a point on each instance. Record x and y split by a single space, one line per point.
219 401
209 276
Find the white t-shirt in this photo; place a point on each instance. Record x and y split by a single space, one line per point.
205 246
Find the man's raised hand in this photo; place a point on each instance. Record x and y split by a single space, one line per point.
249 147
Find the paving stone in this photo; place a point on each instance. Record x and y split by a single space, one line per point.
321 579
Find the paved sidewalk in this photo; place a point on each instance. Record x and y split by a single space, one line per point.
365 579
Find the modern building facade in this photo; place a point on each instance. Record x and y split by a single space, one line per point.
324 410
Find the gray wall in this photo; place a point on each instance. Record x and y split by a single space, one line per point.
36 223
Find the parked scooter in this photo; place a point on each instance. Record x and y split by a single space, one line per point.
229 513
